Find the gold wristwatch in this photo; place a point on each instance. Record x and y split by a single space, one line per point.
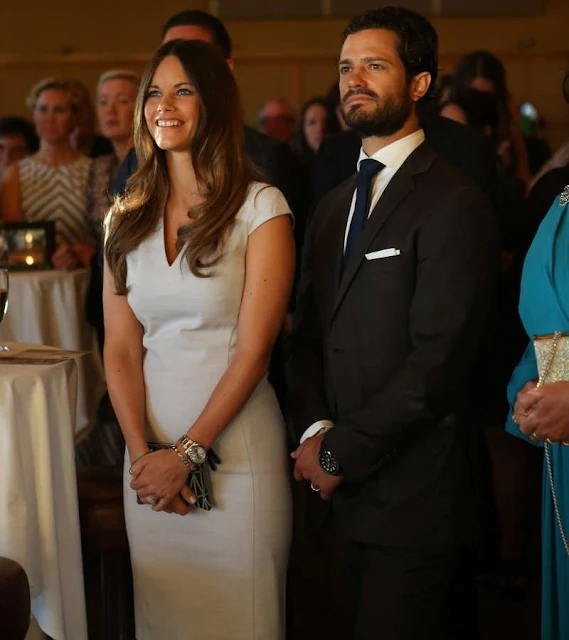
195 452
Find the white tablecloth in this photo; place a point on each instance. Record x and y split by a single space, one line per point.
39 520
48 307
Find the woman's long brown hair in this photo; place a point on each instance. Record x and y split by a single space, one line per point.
222 170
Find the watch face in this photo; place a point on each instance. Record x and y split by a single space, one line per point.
197 454
329 463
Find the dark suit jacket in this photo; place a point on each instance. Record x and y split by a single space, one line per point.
384 349
463 147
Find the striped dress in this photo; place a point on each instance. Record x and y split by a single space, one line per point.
57 194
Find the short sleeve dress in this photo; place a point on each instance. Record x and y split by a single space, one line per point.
219 574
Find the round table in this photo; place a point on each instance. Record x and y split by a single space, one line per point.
38 496
48 308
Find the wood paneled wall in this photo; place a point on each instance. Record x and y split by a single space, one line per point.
294 59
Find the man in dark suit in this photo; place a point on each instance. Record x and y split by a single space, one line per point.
464 148
398 272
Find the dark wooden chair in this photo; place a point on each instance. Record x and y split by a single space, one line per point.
14 600
108 577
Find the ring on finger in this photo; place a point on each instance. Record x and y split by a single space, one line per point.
534 436
151 500
550 441
314 488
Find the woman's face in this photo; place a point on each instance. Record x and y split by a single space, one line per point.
482 84
54 117
171 109
314 126
115 108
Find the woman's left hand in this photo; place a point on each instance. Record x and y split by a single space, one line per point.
161 476
542 413
65 259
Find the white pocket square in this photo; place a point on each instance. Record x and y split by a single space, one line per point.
383 253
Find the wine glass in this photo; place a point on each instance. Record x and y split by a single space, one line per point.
4 288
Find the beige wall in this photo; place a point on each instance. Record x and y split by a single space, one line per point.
292 59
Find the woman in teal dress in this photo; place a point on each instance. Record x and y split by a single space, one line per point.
540 414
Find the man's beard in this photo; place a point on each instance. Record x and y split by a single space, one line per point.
388 116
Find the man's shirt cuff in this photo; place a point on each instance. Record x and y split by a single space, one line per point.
316 429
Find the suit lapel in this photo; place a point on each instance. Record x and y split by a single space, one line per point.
400 186
333 238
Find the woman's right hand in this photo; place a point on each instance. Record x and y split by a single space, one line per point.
162 476
525 400
543 412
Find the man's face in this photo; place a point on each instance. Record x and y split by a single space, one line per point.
375 92
12 148
191 32
277 120
188 32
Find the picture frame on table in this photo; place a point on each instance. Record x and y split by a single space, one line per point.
27 245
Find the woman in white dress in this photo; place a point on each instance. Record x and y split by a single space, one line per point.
199 266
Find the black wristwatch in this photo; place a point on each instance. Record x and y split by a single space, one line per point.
328 463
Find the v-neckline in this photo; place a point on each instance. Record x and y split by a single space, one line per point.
162 235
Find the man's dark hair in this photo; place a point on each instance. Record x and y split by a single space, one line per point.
196 18
16 126
418 40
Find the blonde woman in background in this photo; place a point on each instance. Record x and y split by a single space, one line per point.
116 97
115 101
51 184
84 138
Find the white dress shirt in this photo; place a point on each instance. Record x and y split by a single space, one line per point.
392 156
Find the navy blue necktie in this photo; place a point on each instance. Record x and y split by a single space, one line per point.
367 172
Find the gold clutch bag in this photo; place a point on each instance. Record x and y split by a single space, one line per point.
552 355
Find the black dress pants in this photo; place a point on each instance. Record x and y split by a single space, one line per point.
395 594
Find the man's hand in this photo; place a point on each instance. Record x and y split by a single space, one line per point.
308 467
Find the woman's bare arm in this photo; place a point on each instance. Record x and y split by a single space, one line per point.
268 281
123 366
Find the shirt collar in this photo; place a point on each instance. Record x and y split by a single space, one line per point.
395 154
